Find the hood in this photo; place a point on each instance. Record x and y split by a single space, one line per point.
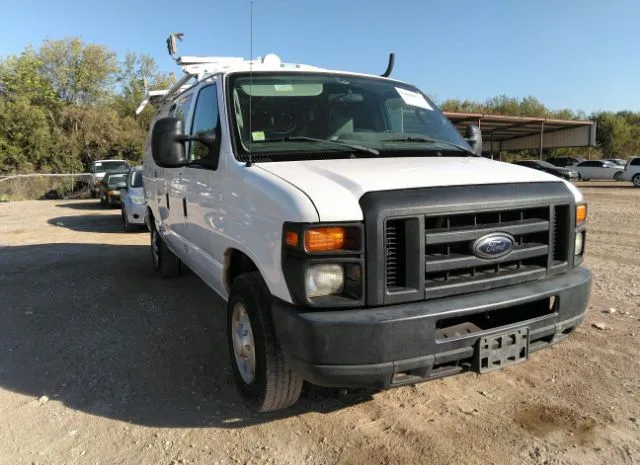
335 186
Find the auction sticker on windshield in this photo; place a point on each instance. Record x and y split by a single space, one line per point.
413 98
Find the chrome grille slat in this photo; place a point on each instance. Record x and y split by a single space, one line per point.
452 268
469 233
457 261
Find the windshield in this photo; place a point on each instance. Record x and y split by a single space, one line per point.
102 166
392 118
117 178
136 179
546 164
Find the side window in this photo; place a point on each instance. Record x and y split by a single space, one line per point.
205 119
635 162
181 108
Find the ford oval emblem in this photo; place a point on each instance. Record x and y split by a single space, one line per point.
494 245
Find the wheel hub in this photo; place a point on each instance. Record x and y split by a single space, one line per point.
243 343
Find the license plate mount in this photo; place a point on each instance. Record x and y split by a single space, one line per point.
501 350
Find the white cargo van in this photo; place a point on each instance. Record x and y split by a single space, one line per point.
358 239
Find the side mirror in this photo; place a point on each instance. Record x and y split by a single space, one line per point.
167 143
474 138
208 139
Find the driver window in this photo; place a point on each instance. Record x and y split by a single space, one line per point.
205 118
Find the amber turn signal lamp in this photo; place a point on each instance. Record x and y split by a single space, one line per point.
581 214
324 239
291 238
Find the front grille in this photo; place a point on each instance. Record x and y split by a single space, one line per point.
395 244
451 267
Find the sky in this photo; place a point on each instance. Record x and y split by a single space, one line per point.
578 54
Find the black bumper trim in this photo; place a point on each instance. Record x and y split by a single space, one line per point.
387 346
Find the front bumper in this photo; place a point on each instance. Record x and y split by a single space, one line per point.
401 344
134 212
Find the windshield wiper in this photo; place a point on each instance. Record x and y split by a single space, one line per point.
431 140
353 147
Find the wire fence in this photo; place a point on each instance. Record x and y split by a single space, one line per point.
45 186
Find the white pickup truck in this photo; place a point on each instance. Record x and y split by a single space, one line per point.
358 239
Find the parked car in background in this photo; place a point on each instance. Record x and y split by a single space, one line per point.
132 200
598 169
632 171
101 167
110 187
540 165
616 161
564 161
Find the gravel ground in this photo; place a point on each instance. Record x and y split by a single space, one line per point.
101 362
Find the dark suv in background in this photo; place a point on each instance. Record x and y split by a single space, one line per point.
564 173
564 161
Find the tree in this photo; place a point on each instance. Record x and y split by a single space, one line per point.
138 72
21 77
79 73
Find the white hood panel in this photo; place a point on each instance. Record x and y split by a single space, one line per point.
335 186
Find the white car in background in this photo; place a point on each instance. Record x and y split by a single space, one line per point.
598 169
632 171
132 200
101 167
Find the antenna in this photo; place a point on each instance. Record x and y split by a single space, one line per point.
392 59
249 163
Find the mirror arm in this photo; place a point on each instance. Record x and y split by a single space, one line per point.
185 138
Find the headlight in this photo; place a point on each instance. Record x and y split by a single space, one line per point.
579 243
323 280
113 192
137 199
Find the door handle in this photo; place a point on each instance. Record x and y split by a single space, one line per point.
184 206
155 174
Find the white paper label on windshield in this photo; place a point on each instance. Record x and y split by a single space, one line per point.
283 87
414 99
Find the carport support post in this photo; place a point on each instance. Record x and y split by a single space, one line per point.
541 138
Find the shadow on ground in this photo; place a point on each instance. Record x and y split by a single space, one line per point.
93 204
92 326
109 223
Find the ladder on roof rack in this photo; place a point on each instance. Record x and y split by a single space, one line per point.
194 67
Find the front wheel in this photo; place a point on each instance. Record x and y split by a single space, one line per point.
618 176
636 180
164 260
128 227
262 376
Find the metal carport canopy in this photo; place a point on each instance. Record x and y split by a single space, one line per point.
504 133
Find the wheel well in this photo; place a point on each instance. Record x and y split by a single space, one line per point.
237 263
148 219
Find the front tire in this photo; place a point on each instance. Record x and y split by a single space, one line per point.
636 180
128 227
617 176
262 376
164 260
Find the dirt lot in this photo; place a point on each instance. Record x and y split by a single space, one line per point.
135 368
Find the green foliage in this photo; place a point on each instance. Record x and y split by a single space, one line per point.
81 74
68 103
